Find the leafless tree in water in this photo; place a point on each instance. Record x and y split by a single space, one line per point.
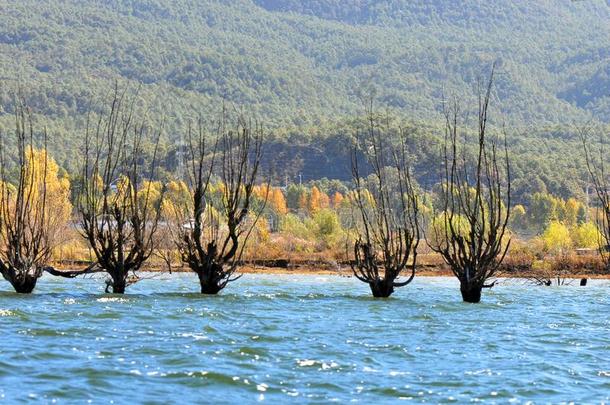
471 235
212 232
387 207
118 217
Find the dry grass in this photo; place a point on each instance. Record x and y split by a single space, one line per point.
303 256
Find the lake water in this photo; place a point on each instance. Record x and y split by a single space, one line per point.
303 339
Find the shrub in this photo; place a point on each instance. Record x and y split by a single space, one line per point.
292 225
326 226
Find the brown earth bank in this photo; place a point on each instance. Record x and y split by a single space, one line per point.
571 266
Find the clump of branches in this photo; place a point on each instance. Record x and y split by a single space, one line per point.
470 234
119 211
555 274
387 207
598 175
211 231
26 231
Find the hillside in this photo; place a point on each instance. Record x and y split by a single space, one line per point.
302 64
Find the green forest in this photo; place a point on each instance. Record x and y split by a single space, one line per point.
302 68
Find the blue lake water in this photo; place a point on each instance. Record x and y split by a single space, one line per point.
300 339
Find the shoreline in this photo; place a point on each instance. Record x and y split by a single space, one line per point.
325 269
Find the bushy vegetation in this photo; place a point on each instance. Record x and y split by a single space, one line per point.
315 220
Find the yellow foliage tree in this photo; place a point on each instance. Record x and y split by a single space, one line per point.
57 207
557 238
324 201
33 218
150 192
277 201
572 206
337 199
587 235
177 192
176 200
314 200
262 191
318 200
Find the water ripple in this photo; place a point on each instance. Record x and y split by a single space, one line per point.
294 338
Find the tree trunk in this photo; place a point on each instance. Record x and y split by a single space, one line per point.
209 288
382 288
207 279
471 292
25 285
118 285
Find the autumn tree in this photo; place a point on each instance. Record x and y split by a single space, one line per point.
315 200
472 239
387 207
34 210
571 212
278 201
337 199
586 235
276 207
557 238
275 198
213 232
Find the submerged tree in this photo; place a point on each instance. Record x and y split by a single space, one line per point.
470 233
212 229
34 210
599 178
387 205
119 210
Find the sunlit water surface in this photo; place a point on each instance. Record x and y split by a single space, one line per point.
303 339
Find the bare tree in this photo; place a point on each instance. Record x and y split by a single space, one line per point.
470 233
599 177
214 230
26 235
387 207
118 216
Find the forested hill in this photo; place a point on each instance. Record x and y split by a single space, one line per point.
300 61
302 64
